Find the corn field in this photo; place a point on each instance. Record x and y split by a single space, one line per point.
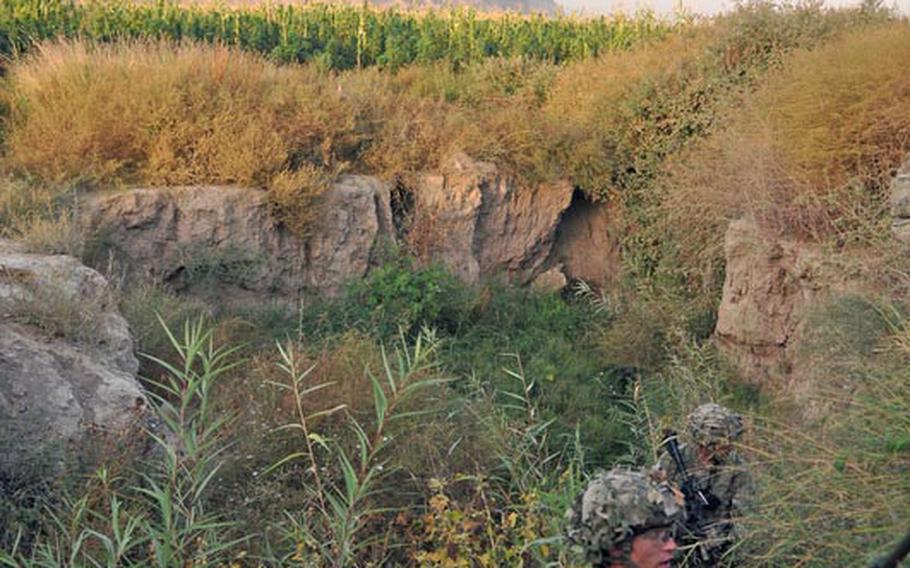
334 36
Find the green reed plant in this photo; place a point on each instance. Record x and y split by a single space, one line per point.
182 530
529 452
158 514
347 499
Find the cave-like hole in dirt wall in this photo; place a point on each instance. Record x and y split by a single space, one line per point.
402 203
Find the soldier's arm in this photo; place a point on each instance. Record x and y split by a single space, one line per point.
743 487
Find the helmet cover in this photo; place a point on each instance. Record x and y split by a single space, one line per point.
615 507
714 425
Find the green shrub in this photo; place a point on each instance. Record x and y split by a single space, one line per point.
399 295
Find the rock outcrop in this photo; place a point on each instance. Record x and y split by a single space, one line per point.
771 284
900 204
480 223
226 241
67 367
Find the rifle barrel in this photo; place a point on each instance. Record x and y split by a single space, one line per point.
892 559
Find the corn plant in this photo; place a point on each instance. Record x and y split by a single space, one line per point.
336 36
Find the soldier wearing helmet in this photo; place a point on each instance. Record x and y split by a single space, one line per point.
712 463
625 519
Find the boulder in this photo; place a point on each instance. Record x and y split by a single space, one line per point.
226 242
67 367
553 280
771 284
481 223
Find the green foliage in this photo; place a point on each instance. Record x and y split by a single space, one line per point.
158 515
575 383
398 295
558 343
333 36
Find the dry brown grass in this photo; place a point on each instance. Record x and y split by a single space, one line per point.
165 114
148 111
592 104
40 216
158 113
294 196
809 154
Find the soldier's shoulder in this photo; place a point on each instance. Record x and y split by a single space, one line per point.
689 453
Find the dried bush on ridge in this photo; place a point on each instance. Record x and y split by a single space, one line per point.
156 113
810 153
150 112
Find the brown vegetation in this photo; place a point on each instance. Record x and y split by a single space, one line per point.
810 153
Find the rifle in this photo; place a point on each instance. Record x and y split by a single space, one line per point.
892 559
696 500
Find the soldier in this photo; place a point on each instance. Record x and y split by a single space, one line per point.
716 471
625 519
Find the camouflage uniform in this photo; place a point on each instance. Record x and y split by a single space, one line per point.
726 483
615 507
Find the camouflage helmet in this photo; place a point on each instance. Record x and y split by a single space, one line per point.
615 507
712 424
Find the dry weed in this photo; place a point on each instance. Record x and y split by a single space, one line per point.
151 112
809 154
294 196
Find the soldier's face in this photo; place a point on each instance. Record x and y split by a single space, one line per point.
653 549
714 454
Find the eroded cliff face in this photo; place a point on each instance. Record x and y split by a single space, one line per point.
771 284
779 295
226 240
481 224
227 243
587 243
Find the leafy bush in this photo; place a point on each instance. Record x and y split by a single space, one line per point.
399 295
